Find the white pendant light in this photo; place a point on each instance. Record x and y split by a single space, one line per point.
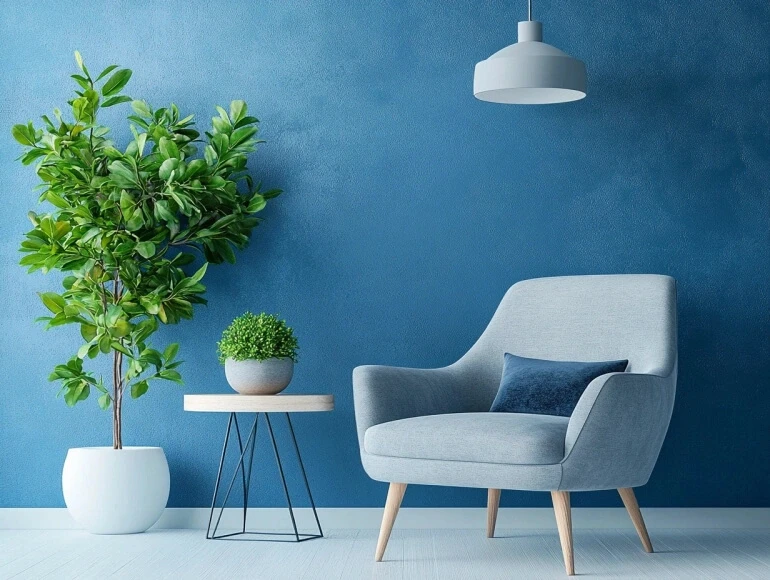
530 72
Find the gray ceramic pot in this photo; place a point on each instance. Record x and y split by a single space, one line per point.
254 377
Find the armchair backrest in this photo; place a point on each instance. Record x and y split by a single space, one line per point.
581 318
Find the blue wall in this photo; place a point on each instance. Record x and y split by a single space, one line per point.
411 207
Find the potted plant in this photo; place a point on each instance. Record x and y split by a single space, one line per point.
122 226
259 352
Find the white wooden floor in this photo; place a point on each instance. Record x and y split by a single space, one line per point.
418 554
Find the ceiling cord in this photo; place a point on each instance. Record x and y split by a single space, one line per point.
529 9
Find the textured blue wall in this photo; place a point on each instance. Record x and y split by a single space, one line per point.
411 207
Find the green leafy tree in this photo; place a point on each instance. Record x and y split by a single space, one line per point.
125 223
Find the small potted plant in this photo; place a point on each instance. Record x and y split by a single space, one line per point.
259 352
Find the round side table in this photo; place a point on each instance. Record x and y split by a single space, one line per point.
259 405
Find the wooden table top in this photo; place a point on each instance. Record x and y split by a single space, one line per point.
235 403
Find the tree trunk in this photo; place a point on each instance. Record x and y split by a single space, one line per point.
117 400
117 381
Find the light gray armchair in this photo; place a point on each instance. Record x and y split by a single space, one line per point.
431 426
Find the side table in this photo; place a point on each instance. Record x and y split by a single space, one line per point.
259 405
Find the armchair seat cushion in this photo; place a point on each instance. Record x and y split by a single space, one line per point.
503 438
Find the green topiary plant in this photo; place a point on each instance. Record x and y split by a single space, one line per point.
258 337
125 223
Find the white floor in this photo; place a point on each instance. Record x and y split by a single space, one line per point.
419 554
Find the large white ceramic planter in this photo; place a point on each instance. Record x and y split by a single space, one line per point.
254 377
115 491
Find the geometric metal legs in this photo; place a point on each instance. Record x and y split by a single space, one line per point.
244 467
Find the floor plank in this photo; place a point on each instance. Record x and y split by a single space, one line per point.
419 554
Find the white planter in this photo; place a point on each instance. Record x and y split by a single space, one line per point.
115 491
254 377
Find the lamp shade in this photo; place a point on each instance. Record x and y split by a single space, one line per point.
530 72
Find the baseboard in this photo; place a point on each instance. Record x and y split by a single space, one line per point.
416 518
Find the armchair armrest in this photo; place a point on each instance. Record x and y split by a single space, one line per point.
382 394
615 434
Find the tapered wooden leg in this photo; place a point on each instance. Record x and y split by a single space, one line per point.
395 495
493 502
564 523
632 507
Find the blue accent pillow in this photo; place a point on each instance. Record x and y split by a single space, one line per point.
547 387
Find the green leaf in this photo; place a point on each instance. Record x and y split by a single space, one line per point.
114 312
162 211
123 174
170 376
139 389
53 301
145 249
270 194
116 82
167 167
82 81
121 328
136 221
240 135
195 167
120 348
171 351
223 114
198 276
77 393
33 154
210 155
88 332
141 108
225 221
237 110
141 140
21 134
83 351
144 329
104 343
104 401
151 304
81 65
257 203
106 71
116 100
126 203
221 143
168 148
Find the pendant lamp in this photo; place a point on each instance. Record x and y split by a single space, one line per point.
530 72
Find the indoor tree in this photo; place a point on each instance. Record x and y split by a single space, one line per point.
124 224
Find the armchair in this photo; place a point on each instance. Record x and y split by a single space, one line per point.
431 426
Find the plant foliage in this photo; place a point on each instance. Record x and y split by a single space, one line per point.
259 337
125 223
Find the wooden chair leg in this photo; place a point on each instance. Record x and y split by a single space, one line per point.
564 522
493 502
395 495
632 507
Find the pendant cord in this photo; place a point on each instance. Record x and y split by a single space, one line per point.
529 9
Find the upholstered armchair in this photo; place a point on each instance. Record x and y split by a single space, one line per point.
432 426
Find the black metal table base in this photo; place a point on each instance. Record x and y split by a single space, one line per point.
245 462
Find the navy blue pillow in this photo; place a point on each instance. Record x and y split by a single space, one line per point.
547 387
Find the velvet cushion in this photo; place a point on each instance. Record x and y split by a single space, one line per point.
547 387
